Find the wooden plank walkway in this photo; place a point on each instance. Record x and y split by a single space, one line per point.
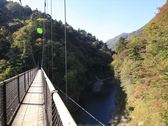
32 112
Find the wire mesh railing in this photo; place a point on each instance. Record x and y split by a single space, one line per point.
56 112
82 116
12 93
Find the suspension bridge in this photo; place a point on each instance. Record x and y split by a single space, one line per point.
30 99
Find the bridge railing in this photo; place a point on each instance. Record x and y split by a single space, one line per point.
56 112
12 93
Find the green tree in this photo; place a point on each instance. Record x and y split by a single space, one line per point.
121 45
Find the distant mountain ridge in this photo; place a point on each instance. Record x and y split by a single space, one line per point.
112 43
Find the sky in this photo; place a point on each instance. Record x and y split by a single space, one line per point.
103 18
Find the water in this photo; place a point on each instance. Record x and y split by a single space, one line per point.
100 107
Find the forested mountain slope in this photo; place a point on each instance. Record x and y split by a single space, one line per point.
141 63
21 48
11 20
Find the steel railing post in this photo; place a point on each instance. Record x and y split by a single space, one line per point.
28 77
52 104
46 94
18 88
25 82
4 104
46 102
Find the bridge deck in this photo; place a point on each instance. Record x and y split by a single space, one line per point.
32 112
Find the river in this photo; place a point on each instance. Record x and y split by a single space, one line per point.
100 107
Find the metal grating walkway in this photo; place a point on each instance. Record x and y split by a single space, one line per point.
32 111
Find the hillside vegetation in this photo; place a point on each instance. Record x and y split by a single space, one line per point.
141 64
21 48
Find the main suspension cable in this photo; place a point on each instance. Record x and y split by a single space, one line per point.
42 57
52 48
65 33
48 47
